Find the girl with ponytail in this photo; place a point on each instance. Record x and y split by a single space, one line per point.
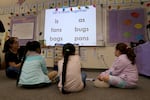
69 71
123 73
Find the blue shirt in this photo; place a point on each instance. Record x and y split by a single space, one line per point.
34 71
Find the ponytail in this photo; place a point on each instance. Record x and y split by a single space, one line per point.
66 56
123 48
131 55
20 70
68 49
22 62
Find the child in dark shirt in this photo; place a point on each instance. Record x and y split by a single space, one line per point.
12 58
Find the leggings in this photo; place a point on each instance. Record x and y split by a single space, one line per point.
117 82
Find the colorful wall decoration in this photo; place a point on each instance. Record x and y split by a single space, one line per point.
126 25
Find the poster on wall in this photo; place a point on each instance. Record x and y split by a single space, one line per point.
126 25
24 28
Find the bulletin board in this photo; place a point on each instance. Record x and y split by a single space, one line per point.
48 54
126 25
23 27
97 57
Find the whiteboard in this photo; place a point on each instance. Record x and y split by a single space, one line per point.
23 30
75 24
53 36
23 27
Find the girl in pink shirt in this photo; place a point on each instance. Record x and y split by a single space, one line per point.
123 73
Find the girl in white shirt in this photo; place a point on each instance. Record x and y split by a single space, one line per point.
69 71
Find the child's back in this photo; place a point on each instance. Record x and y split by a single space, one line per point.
69 71
73 75
34 70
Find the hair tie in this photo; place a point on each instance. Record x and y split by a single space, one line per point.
127 47
67 50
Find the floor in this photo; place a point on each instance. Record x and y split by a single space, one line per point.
9 91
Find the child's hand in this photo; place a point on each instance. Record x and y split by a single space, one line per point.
52 75
103 78
100 77
106 78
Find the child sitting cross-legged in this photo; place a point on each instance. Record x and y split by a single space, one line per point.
34 73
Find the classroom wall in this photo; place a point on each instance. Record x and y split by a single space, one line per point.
91 57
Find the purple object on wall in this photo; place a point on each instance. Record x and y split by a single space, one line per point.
126 25
143 58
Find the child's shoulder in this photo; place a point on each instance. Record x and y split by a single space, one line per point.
124 59
40 56
36 56
75 57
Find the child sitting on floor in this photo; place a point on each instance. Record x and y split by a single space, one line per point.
123 73
34 72
69 71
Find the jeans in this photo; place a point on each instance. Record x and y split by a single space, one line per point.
12 72
83 74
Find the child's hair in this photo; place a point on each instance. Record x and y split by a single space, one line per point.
124 49
8 44
33 46
68 49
